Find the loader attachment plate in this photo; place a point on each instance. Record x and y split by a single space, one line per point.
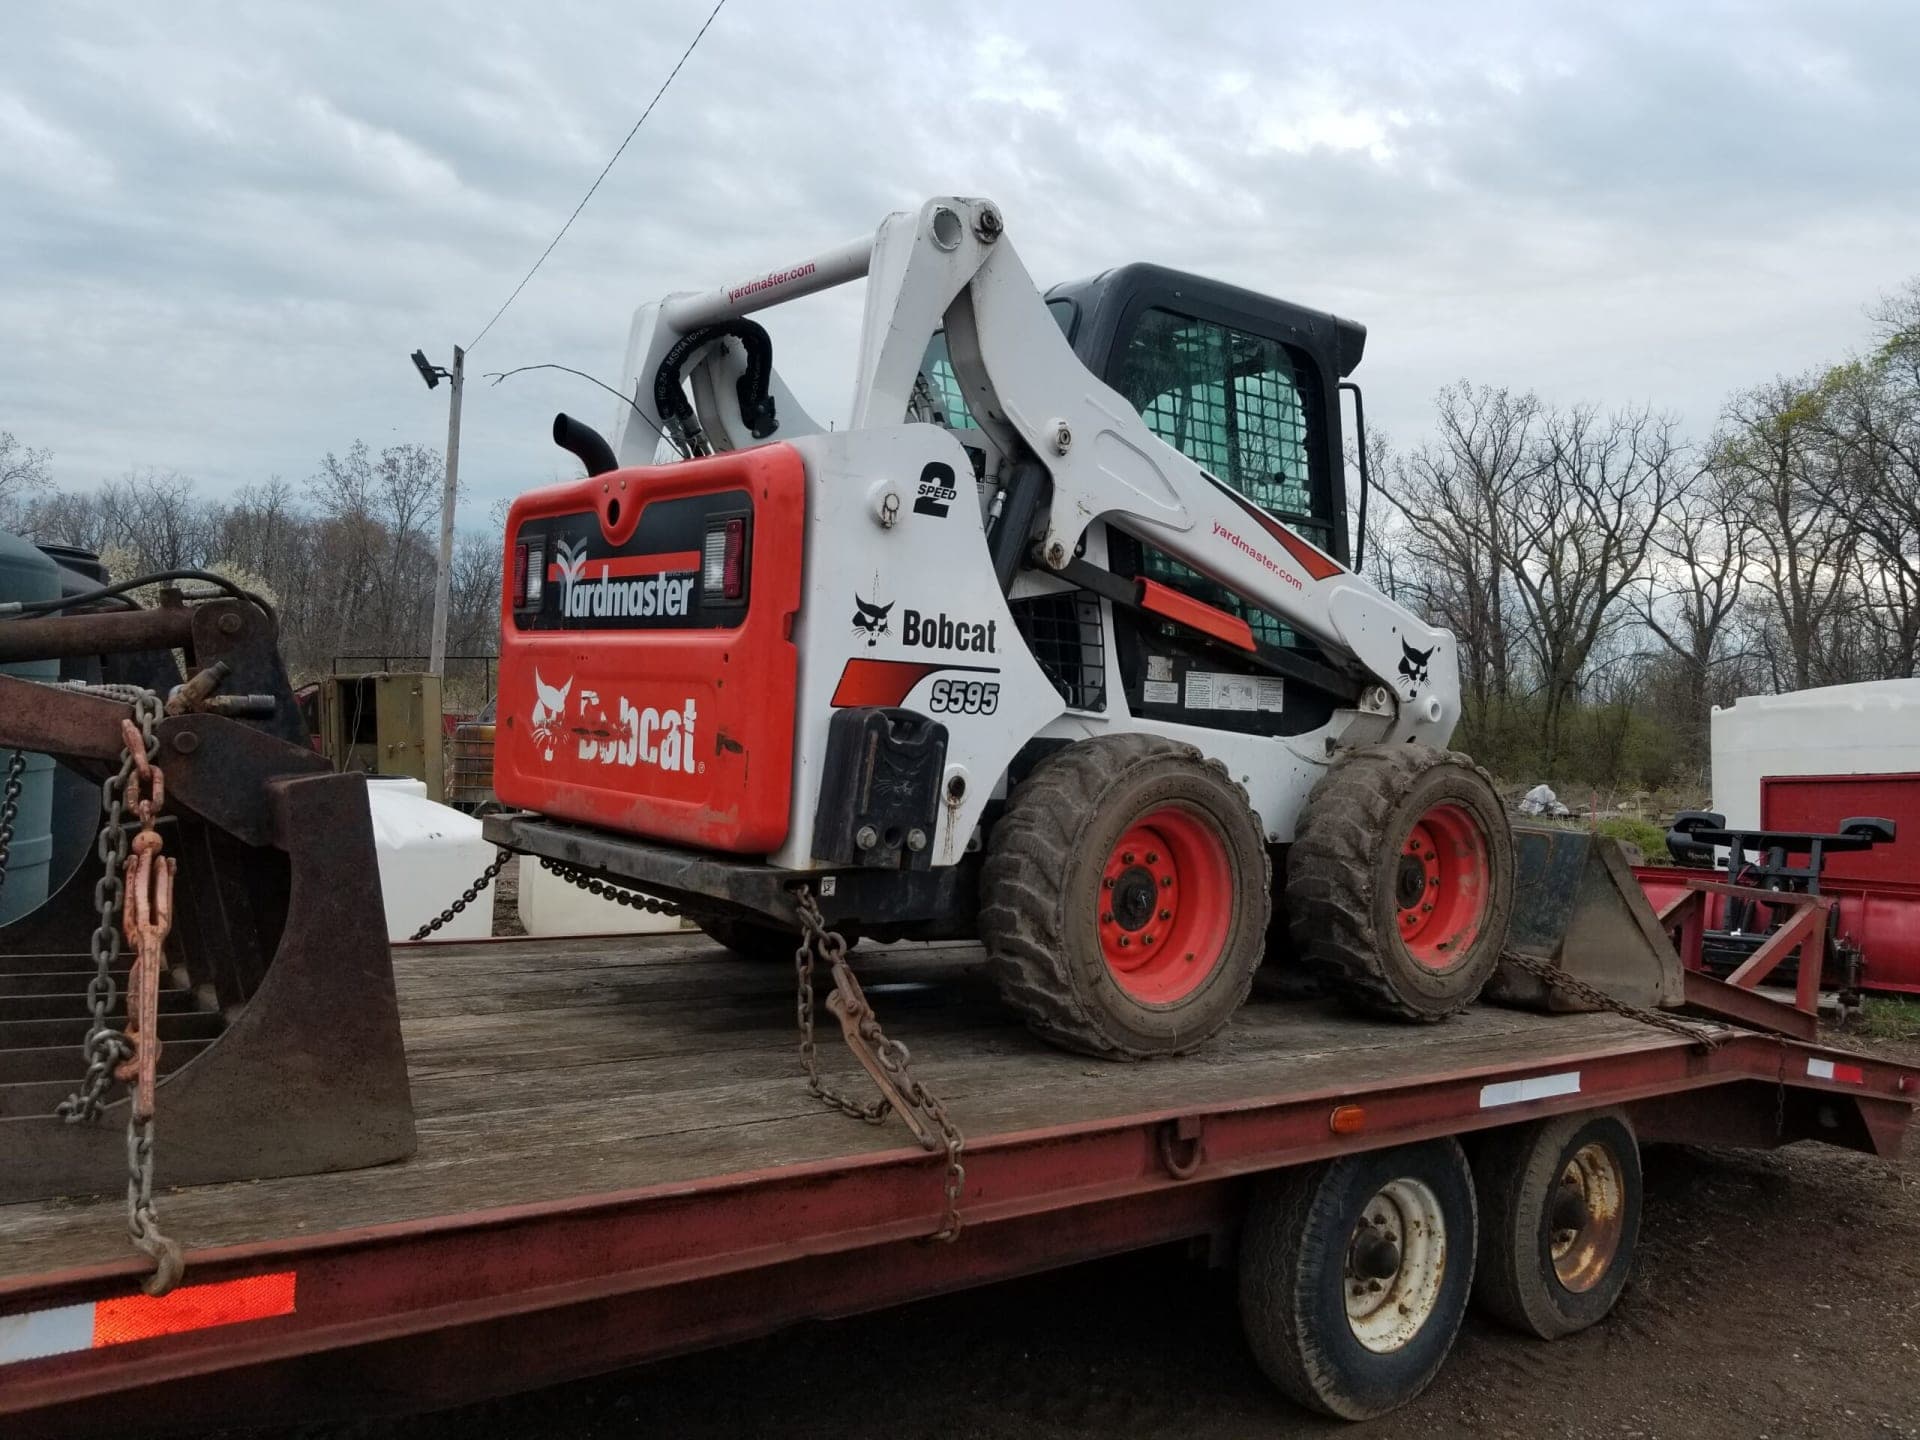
277 1024
1577 906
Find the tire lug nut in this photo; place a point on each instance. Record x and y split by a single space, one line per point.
1125 940
1126 857
1107 919
1166 914
1147 939
1153 857
1166 882
1108 882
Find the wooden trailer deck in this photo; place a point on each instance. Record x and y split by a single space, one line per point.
548 1070
618 1160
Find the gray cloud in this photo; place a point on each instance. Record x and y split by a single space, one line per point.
225 227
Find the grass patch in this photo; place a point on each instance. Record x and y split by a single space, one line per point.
1887 1019
1649 837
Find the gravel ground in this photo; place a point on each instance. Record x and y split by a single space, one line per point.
1776 1295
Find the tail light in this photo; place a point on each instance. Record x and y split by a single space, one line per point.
529 573
723 561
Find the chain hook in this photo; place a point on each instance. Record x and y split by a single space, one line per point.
886 1060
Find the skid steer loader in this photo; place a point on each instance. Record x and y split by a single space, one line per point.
1055 644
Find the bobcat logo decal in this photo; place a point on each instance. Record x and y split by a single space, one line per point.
550 705
1413 663
870 620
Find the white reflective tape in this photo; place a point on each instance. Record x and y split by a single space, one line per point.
1827 1070
1536 1087
45 1332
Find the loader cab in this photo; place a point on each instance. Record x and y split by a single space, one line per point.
1242 384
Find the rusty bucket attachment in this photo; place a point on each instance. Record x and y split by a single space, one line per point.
279 1034
1577 906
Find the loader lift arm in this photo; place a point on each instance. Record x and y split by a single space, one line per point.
1062 446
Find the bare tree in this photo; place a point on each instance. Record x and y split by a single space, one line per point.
1580 530
1870 418
155 516
1773 447
1691 602
24 473
1452 494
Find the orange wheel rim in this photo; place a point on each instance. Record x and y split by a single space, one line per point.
1165 906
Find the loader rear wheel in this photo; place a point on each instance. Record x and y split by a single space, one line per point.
1559 1218
1125 897
1400 880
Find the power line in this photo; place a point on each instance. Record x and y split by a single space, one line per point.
601 176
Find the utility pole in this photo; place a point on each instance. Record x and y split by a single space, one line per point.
443 571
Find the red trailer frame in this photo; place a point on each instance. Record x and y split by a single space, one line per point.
461 1304
1877 891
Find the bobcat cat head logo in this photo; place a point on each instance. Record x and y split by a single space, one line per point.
1413 663
550 705
870 620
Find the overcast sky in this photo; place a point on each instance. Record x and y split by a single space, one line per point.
223 227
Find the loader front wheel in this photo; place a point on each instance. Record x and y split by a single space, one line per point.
1400 880
1125 897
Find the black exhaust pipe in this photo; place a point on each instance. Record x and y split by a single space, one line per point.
587 444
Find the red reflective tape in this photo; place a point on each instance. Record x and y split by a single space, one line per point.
192 1307
1195 614
886 682
626 567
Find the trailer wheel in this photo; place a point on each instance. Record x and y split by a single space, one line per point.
768 944
1559 1218
1400 880
1124 900
1355 1274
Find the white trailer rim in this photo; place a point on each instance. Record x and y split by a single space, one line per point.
1385 1311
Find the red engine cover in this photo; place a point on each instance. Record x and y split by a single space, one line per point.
632 696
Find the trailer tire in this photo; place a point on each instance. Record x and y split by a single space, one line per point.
1544 1280
1110 846
768 944
1383 829
1310 1251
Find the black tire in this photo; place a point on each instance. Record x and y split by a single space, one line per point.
1347 878
1045 883
1522 1174
769 944
1302 1253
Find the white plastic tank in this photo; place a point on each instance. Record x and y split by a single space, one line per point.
1872 728
552 906
428 853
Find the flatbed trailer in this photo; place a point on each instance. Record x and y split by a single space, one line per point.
618 1161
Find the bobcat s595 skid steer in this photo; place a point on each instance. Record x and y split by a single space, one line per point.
1054 644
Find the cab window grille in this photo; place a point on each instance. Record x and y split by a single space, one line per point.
1241 405
1228 400
1063 632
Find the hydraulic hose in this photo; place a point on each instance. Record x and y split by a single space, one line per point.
753 388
